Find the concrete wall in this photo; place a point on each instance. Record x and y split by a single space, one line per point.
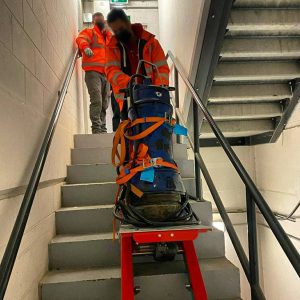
36 44
148 15
179 23
232 192
278 178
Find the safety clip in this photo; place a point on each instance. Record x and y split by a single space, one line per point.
153 161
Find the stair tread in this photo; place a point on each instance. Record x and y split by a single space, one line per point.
71 238
101 206
89 183
105 206
109 164
141 269
108 182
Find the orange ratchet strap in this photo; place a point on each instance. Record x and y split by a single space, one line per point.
126 173
120 135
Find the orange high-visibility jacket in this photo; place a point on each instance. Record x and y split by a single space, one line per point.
93 38
118 70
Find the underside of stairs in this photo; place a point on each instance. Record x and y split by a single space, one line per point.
84 261
256 82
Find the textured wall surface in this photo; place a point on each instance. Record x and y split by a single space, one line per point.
36 45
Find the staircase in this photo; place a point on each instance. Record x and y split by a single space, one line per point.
84 262
254 81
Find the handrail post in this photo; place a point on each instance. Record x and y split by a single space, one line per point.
252 245
196 149
176 99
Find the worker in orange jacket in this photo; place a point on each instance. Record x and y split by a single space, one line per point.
130 44
92 43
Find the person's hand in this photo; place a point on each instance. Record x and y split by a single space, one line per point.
88 52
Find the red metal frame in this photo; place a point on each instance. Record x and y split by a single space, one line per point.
186 236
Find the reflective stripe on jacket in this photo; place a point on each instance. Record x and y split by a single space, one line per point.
94 39
118 70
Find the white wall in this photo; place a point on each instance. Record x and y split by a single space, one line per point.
233 195
179 23
36 45
144 12
278 178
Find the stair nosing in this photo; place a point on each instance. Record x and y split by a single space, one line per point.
86 207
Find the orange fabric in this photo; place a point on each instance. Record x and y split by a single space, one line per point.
120 135
96 40
144 164
136 191
152 52
119 138
143 159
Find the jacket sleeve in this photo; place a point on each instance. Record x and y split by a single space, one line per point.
117 78
159 59
84 39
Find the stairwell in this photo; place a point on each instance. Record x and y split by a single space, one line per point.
84 261
258 68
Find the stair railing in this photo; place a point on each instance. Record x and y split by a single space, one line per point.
253 196
15 239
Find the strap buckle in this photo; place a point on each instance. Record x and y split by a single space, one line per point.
168 118
152 161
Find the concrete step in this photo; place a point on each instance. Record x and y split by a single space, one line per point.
268 22
88 194
157 281
239 128
84 219
101 155
265 71
91 156
101 193
93 140
98 218
245 111
260 48
266 3
180 151
91 173
98 250
249 93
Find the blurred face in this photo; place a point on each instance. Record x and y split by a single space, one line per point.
122 30
99 22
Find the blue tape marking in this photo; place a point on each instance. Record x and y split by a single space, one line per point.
148 175
178 129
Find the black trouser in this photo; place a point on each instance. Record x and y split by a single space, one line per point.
117 115
116 112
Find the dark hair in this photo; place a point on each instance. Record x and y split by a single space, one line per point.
117 14
97 14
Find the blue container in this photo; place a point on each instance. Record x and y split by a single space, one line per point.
154 101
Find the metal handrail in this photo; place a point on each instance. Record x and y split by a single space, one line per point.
14 242
252 190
